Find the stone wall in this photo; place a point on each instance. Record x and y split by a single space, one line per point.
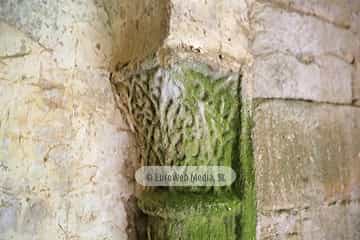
66 154
300 66
65 151
304 87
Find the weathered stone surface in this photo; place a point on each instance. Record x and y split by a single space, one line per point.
62 145
138 27
305 154
87 34
335 11
74 31
355 27
295 58
290 32
323 79
174 215
64 149
355 23
188 117
217 28
339 221
356 82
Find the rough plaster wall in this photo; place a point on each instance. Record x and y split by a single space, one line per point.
304 84
64 148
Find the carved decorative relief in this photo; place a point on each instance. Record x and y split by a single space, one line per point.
184 114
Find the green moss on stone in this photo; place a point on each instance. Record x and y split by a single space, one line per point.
247 177
183 114
194 228
215 103
188 114
190 215
173 205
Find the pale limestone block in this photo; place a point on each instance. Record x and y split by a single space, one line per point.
217 28
335 11
72 31
293 33
138 28
338 221
62 145
324 79
356 83
305 154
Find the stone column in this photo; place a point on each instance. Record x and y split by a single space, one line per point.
185 113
